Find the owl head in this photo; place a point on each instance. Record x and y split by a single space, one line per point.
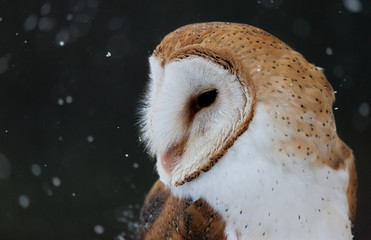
206 81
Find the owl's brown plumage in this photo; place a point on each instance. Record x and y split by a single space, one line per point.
295 94
164 216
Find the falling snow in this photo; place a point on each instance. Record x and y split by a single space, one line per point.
60 101
121 236
69 99
69 17
4 167
30 23
364 109
108 54
98 229
354 6
24 201
46 24
46 188
128 218
3 64
56 181
90 139
36 169
45 9
329 51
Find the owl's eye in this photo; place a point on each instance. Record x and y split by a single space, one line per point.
206 98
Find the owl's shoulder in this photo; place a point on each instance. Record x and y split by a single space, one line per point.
164 216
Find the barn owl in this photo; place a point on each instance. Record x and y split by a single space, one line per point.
244 135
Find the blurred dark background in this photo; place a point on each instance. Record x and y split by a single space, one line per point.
72 73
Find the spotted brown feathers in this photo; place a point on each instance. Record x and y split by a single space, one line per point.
164 216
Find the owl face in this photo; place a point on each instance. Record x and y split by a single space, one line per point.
193 106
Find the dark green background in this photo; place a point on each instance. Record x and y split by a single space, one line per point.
109 187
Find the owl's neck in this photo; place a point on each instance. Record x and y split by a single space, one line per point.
259 197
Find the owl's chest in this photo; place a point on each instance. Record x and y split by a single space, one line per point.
258 198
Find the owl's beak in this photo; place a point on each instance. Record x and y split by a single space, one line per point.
168 161
169 158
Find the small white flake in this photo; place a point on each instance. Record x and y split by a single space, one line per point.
3 64
353 5
336 108
49 192
46 8
1 19
5 167
118 127
69 99
329 51
108 54
36 169
30 23
335 92
56 181
46 23
61 43
73 194
60 138
126 155
119 237
135 165
60 101
24 201
90 139
6 131
69 17
364 109
98 229
258 69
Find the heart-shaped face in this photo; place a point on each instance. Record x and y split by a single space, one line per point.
195 107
